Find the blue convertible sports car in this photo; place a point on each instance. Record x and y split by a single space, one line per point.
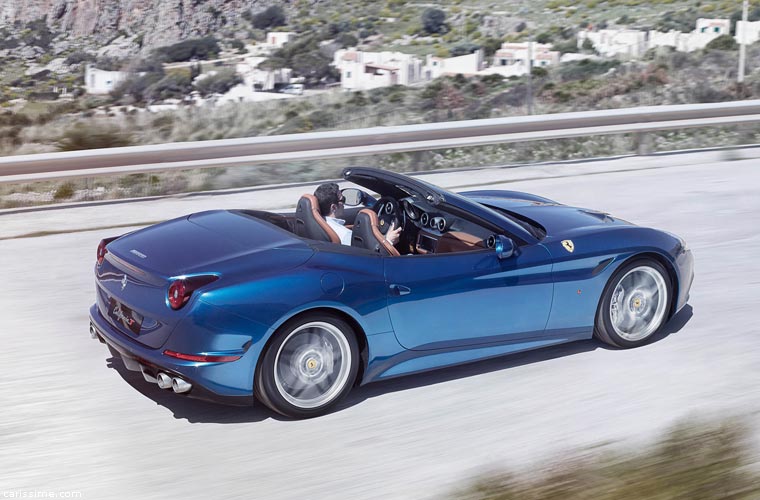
237 305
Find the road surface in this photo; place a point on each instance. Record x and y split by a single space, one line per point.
72 419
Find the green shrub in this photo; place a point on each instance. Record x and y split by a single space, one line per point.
78 57
690 462
269 18
82 137
219 83
723 42
173 85
577 70
199 48
64 191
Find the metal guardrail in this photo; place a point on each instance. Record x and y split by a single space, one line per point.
370 141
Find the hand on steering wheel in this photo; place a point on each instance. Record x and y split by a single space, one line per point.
388 211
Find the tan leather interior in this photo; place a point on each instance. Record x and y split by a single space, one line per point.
375 225
308 207
455 241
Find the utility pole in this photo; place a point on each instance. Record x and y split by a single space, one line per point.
530 71
743 42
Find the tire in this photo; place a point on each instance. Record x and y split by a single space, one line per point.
310 365
635 304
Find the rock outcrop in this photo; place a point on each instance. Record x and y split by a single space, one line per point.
153 22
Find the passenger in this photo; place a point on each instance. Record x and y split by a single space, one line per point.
331 202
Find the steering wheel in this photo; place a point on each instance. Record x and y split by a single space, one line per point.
388 211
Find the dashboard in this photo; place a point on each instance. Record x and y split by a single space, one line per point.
428 230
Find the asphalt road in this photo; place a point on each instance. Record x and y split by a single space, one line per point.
71 419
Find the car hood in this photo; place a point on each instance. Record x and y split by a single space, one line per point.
202 242
557 220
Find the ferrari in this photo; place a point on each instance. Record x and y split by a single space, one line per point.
245 306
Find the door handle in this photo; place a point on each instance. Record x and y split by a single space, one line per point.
399 290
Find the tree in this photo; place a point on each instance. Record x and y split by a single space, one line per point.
346 40
200 48
723 42
313 65
434 21
464 49
219 83
270 17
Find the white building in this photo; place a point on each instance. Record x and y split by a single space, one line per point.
512 58
467 65
633 43
276 39
98 81
367 70
611 43
705 32
261 79
752 30
716 27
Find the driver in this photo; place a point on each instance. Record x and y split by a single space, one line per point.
331 207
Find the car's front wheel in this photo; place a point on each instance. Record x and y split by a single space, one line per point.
635 304
309 366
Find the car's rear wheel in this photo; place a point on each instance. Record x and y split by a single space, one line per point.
635 304
310 365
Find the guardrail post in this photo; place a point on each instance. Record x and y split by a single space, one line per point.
643 143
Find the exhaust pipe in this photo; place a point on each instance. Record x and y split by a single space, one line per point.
179 386
93 332
164 381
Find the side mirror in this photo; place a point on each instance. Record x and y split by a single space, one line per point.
354 197
503 245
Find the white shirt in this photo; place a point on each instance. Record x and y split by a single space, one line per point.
340 229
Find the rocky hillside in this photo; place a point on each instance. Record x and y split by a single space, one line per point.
155 22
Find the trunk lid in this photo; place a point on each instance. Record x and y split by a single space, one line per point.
135 276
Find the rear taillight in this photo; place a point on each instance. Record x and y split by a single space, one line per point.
180 290
201 358
102 250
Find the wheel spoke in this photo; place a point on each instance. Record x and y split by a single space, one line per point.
637 306
312 365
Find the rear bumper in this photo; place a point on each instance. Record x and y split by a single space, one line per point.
151 362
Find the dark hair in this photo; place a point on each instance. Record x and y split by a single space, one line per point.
327 194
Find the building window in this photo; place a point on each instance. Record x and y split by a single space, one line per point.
435 63
716 29
503 62
703 30
348 74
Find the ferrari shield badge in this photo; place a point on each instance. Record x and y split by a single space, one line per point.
569 246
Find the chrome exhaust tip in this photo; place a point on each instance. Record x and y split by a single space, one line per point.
164 381
179 386
93 332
